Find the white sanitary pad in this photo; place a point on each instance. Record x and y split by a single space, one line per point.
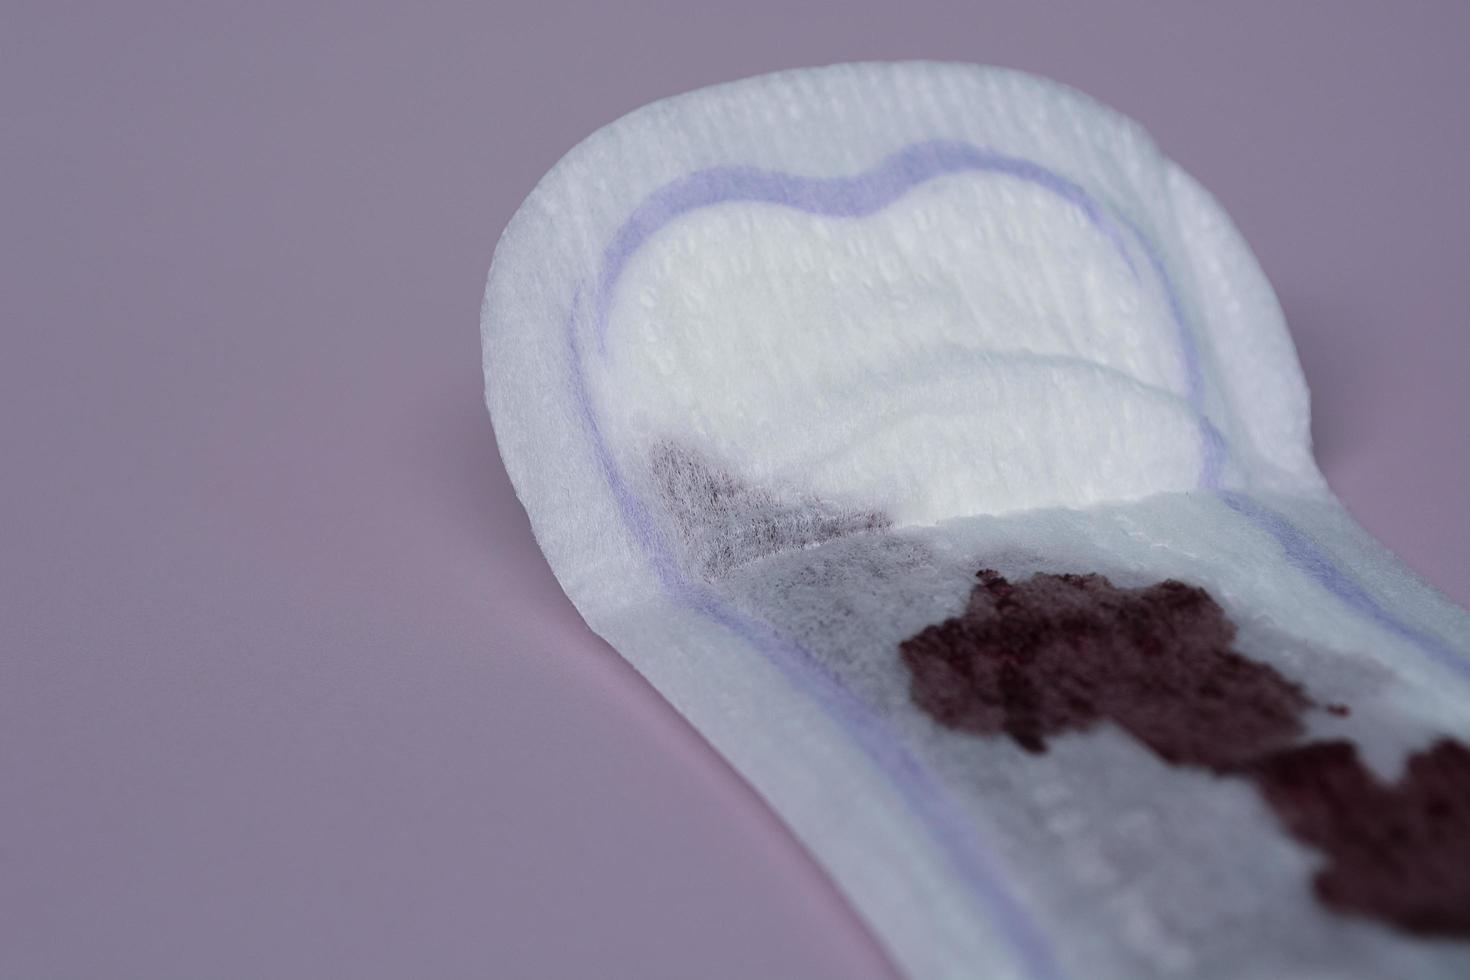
777 366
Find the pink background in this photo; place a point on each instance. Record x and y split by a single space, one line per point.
286 688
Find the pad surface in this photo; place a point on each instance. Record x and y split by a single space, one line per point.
778 367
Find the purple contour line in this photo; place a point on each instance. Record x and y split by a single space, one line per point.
1308 557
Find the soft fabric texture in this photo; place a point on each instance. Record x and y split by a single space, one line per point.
779 367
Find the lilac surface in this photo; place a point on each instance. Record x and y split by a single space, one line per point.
286 688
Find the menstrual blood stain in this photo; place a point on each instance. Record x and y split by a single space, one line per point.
1060 653
1400 853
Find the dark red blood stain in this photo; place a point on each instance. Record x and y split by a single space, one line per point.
1400 853
1060 653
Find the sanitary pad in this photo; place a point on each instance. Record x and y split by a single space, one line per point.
937 447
